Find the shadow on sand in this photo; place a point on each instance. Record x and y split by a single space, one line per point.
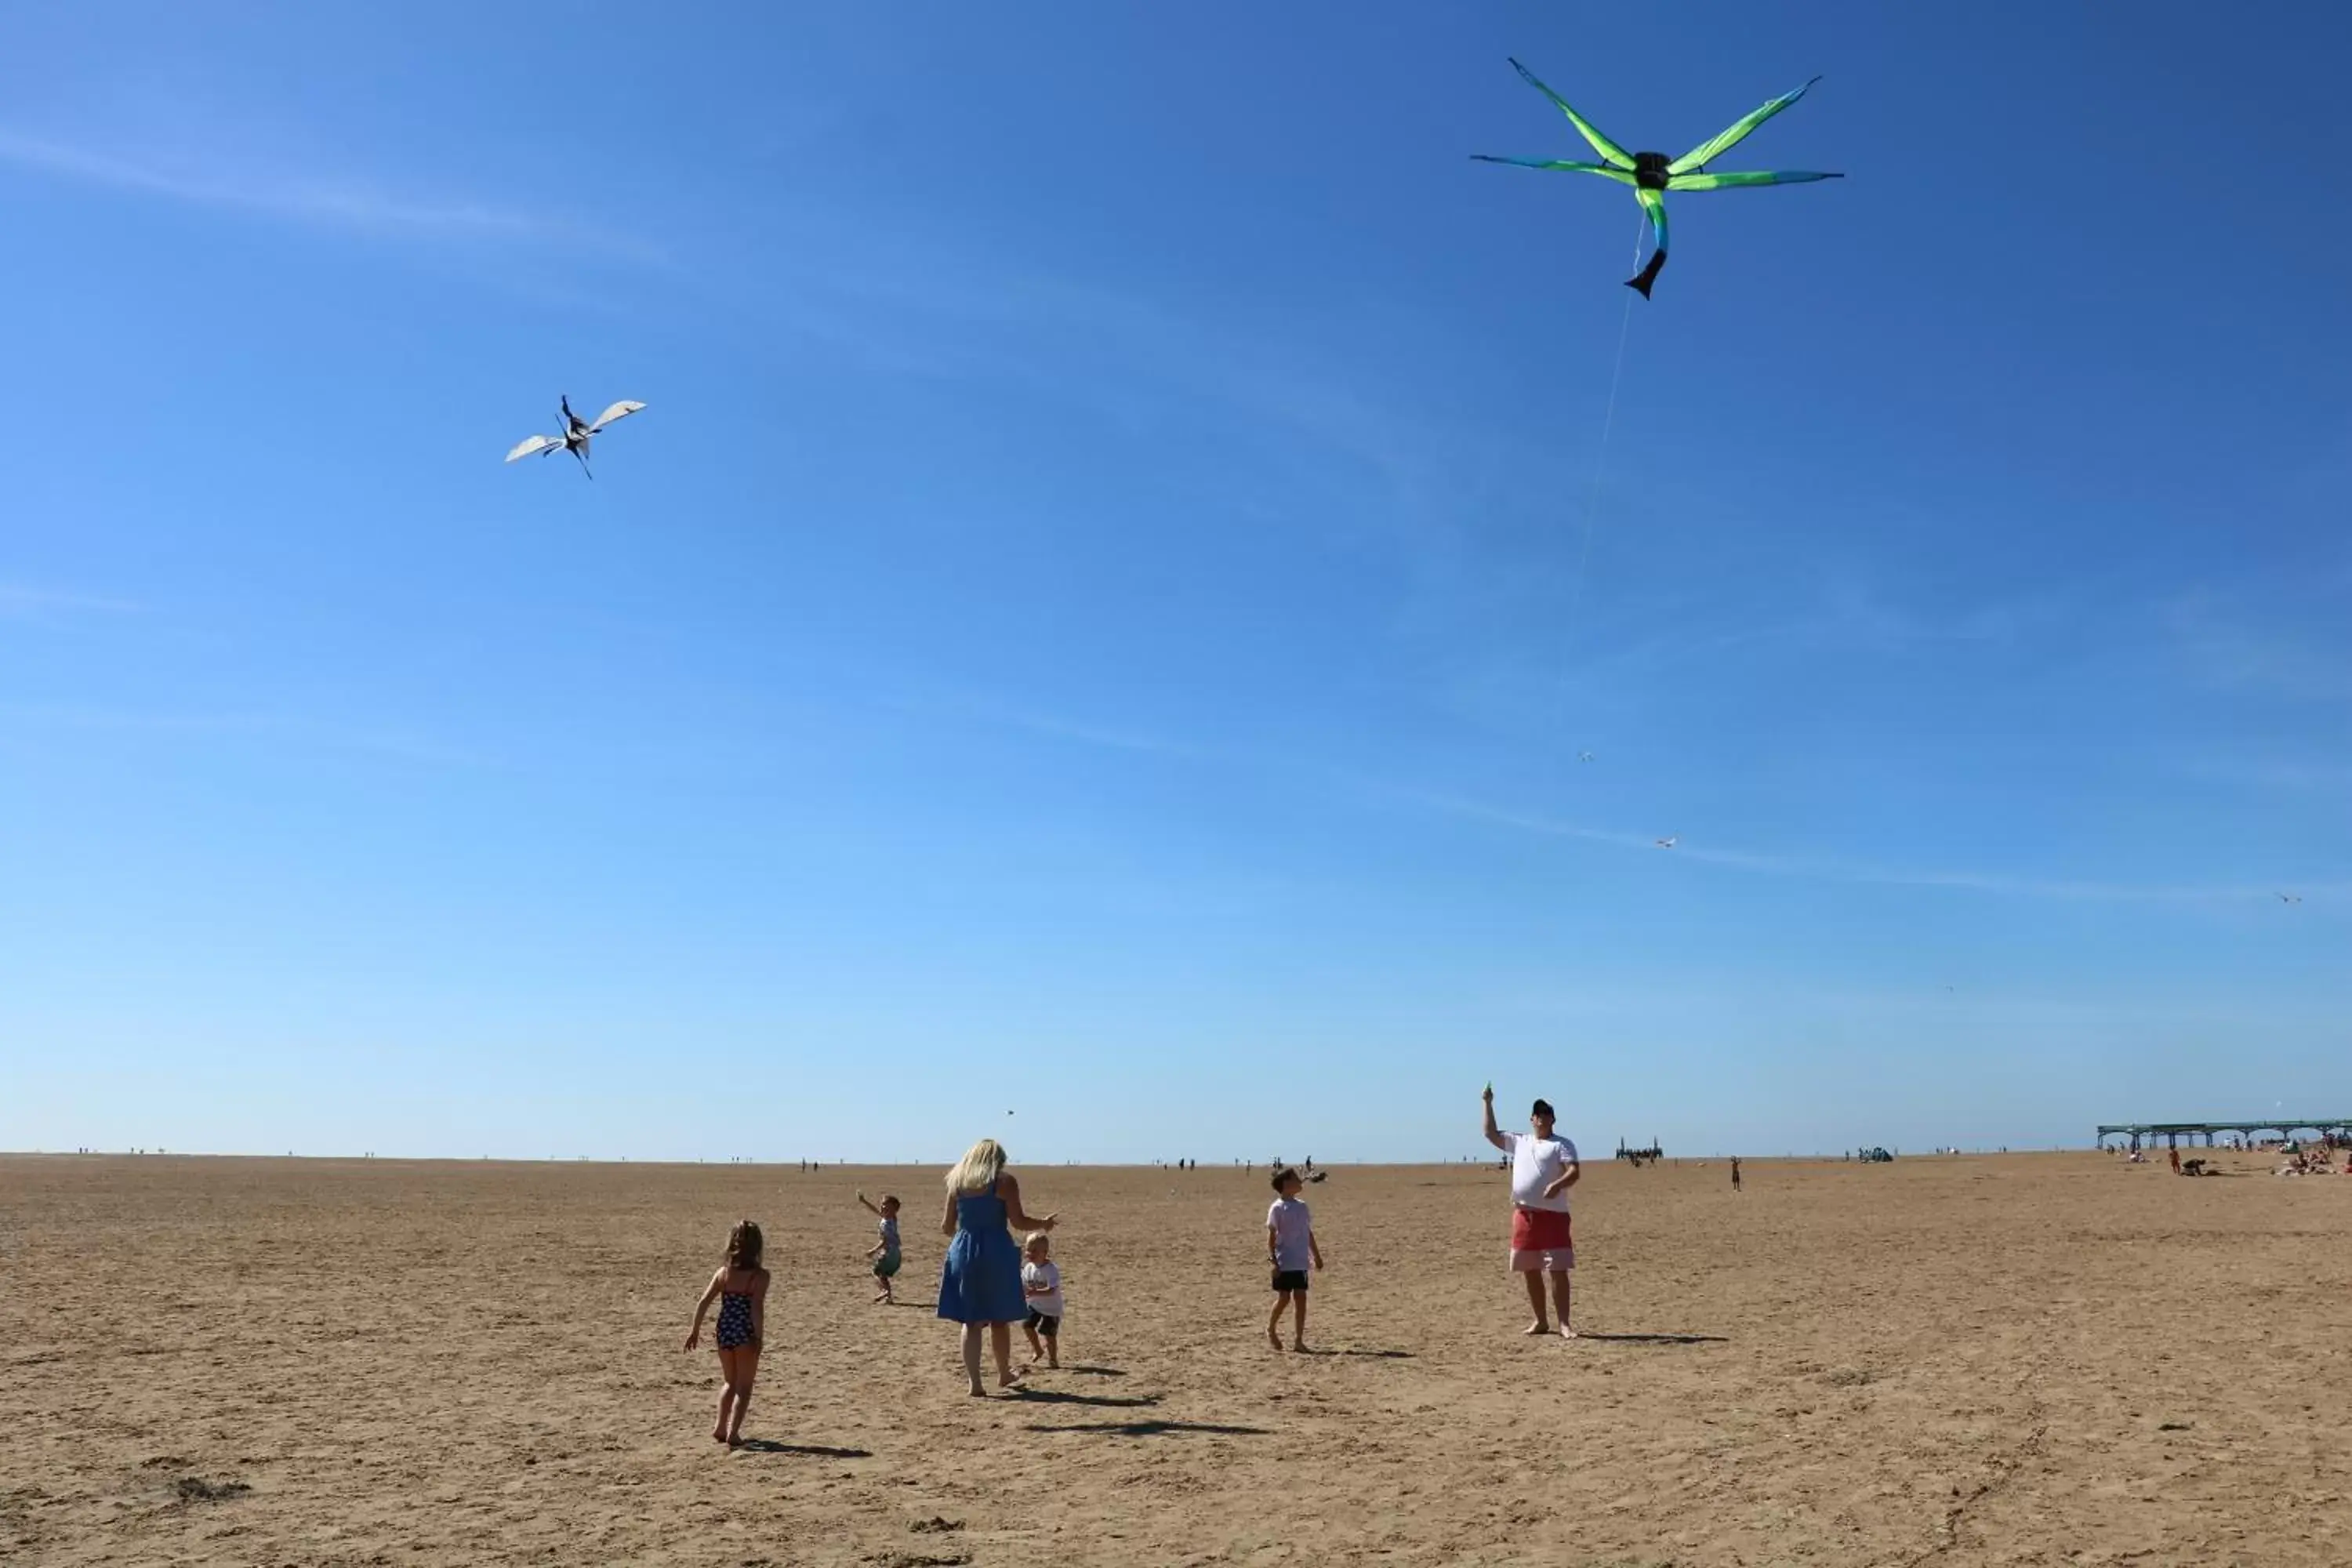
1097 1401
1155 1428
1094 1371
1655 1338
1382 1355
807 1450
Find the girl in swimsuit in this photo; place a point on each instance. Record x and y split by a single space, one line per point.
740 1289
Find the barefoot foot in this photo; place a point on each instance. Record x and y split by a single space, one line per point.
1538 1327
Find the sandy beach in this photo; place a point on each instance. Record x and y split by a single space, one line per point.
1973 1360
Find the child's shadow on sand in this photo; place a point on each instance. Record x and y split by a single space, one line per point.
1655 1338
1100 1401
1158 1428
807 1450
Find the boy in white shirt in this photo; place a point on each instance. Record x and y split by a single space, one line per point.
1041 1286
1543 1167
1290 1246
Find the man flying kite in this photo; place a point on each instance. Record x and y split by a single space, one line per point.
1652 174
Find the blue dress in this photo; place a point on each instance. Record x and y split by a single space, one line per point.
981 1281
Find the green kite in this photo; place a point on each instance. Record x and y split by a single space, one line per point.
1652 174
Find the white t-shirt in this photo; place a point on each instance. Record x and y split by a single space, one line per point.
1294 1234
1537 1163
1049 1275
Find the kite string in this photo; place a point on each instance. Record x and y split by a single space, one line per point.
1592 490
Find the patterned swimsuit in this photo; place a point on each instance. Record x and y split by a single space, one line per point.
734 1321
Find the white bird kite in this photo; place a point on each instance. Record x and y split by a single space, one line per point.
1669 842
1584 756
2290 897
576 434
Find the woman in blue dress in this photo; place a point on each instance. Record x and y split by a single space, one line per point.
981 1281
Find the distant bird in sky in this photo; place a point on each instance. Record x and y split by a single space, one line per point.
1584 756
576 432
2290 897
1669 841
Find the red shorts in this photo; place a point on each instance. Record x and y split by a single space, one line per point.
1542 1241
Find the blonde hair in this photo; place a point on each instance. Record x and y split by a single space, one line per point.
977 1171
744 1245
1037 1238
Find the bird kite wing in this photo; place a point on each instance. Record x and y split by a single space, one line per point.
1606 171
1717 145
1610 152
1745 177
536 444
618 411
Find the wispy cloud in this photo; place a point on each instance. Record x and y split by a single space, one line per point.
2274 772
23 602
76 716
2225 648
1849 614
1828 869
200 723
885 288
329 202
990 711
1091 734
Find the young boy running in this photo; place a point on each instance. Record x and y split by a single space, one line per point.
1041 1288
885 1253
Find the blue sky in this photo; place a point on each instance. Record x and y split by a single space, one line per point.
1084 627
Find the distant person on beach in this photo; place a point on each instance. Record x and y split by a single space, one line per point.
1735 1172
740 1289
884 1253
1543 1167
1290 1246
979 1282
1041 1288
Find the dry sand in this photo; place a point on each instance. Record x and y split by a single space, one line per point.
2035 1359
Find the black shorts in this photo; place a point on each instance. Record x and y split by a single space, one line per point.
1039 1323
1290 1280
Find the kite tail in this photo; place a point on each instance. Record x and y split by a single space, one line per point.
1653 207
